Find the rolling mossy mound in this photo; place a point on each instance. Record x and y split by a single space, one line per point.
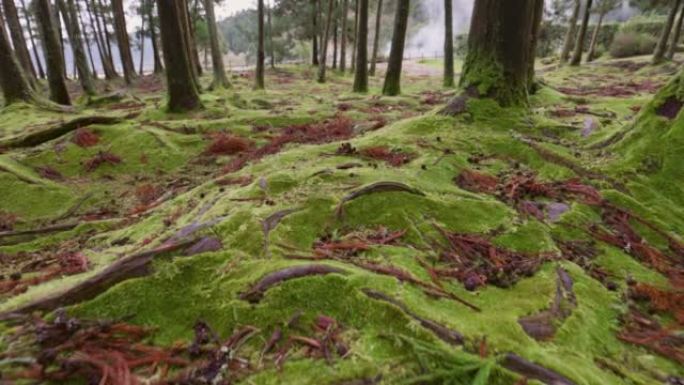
393 201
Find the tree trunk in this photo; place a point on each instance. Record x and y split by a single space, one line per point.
220 79
497 63
448 45
392 85
123 41
15 86
53 53
19 42
259 85
158 66
104 46
343 41
183 93
661 47
192 43
86 39
105 29
336 27
74 33
376 39
570 34
314 33
594 37
579 44
361 70
355 42
537 18
271 47
27 18
142 38
58 28
186 27
675 36
324 44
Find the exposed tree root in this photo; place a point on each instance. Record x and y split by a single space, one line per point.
378 187
54 132
517 364
542 326
257 291
39 231
270 223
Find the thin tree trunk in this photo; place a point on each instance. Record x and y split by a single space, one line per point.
18 40
220 79
86 39
661 47
361 71
27 18
123 41
376 38
142 37
355 42
105 59
259 81
675 36
324 44
581 36
74 32
570 34
194 52
158 66
183 92
105 29
343 41
392 85
58 28
594 37
448 80
537 18
314 33
106 44
15 86
271 47
335 35
53 53
189 41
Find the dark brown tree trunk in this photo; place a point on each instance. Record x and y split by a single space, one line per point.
142 38
361 70
86 39
355 42
53 53
158 66
376 39
581 36
335 35
194 52
105 29
392 85
537 18
189 41
58 27
15 86
29 27
123 41
497 63
183 92
19 42
343 41
594 37
448 44
271 47
104 46
661 47
74 33
220 79
571 32
324 44
675 36
259 81
314 33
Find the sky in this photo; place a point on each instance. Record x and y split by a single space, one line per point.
231 6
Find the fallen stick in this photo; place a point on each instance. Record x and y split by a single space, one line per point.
54 132
257 291
517 364
42 230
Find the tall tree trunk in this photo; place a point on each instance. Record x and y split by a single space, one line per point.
15 86
183 92
324 44
105 29
19 42
158 66
594 37
314 33
343 41
355 42
537 18
392 85
53 53
27 18
672 49
571 32
123 41
361 71
74 33
106 53
448 80
142 37
86 39
271 47
497 63
376 39
60 37
259 81
192 42
661 47
581 36
220 79
335 34
189 41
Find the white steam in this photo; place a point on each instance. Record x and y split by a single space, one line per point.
429 40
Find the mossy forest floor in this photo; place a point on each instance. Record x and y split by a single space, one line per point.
308 235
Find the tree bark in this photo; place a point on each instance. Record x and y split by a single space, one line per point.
220 79
58 28
123 41
86 39
192 42
74 33
324 44
271 47
105 56
661 47
355 42
343 38
448 45
594 37
336 27
142 38
158 66
361 70
537 18
259 81
53 53
570 34
18 40
183 93
581 36
314 33
15 86
376 39
392 85
105 29
672 49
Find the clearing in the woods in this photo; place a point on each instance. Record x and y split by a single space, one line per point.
308 235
